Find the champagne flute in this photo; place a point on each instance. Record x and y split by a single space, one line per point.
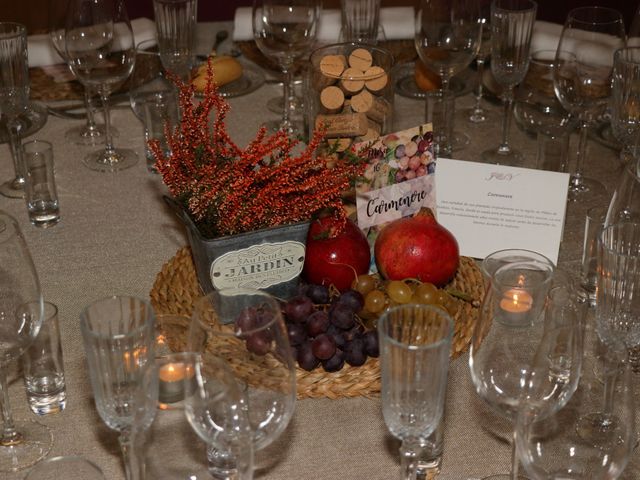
625 98
285 30
245 328
101 54
447 38
22 444
511 28
582 78
119 338
479 114
14 97
90 133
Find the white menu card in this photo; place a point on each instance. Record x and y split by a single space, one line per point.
493 207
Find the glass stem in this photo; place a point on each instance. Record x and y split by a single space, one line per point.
286 110
133 466
9 434
576 178
91 121
506 119
17 153
109 151
477 110
515 465
408 459
447 117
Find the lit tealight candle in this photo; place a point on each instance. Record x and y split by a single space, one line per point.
516 300
171 382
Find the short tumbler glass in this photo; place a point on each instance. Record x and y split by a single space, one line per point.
40 187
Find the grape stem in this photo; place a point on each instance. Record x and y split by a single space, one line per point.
463 296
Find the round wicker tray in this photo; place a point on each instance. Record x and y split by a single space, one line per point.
176 287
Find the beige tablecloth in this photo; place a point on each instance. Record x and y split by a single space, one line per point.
115 235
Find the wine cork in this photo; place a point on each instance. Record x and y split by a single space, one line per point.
332 99
379 110
376 79
332 66
362 102
373 131
361 59
352 81
343 124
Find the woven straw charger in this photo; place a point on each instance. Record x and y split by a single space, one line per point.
176 288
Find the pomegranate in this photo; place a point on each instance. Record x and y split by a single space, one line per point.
335 259
417 247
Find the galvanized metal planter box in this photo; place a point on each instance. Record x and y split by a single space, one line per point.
270 259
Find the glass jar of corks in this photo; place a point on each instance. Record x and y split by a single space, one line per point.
349 93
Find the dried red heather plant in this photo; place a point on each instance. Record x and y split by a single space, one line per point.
229 190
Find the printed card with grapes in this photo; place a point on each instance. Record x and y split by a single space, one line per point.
399 178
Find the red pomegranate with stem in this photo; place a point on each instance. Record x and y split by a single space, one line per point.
417 247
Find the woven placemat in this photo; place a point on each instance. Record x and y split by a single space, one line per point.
176 288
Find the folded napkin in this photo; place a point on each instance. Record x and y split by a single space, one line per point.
42 53
597 46
397 23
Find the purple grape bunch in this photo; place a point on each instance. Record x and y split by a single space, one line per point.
325 330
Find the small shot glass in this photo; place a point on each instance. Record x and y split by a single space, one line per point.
43 367
40 184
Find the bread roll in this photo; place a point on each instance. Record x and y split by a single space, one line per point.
225 70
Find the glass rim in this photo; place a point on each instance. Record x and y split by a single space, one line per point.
518 6
615 15
618 54
448 338
533 255
148 323
18 30
206 299
615 250
60 459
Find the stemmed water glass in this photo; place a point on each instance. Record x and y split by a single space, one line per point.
509 331
119 338
285 30
214 406
582 78
22 444
415 343
511 29
625 98
14 97
245 328
550 446
479 114
89 133
101 53
447 38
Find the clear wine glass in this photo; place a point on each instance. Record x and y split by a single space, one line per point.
447 38
101 53
119 338
285 30
511 29
582 78
508 332
14 97
625 98
415 343
90 133
245 328
23 443
214 406
550 446
538 109
479 114
625 201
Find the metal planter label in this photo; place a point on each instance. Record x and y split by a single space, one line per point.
259 266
